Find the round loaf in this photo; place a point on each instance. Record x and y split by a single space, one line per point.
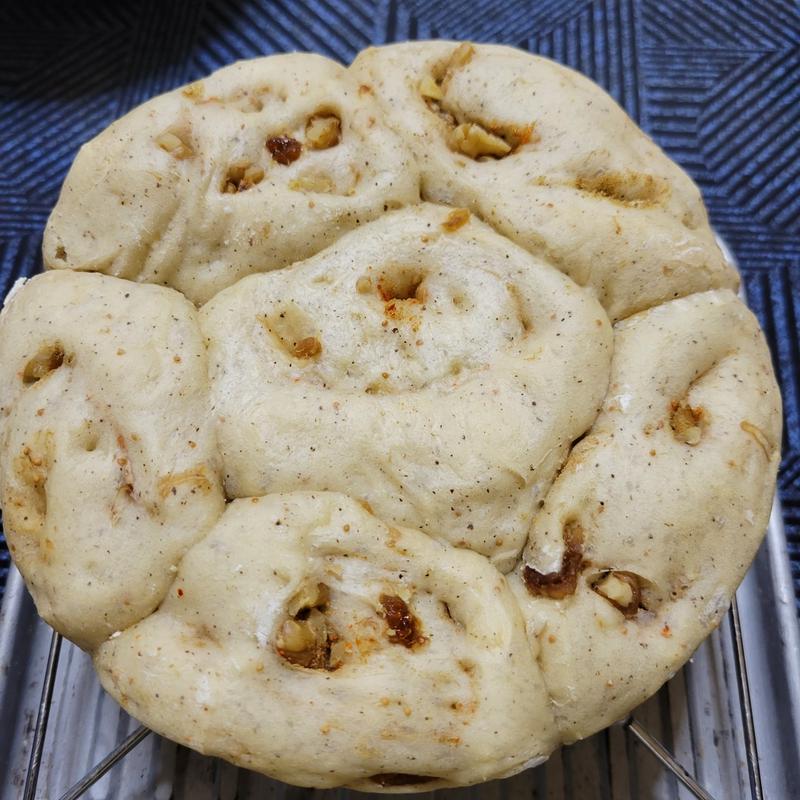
464 454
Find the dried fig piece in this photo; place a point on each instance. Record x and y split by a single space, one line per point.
284 149
404 627
561 584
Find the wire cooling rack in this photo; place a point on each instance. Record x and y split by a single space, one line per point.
632 727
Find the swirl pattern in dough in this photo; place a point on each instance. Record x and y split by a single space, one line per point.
438 374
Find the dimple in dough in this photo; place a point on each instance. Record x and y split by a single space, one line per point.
669 494
108 466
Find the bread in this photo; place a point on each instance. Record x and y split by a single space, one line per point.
442 386
458 460
108 468
265 162
453 696
553 163
667 497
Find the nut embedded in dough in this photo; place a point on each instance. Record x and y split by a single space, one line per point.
554 163
136 204
323 131
462 705
439 375
48 358
475 141
622 589
105 440
687 422
176 143
242 176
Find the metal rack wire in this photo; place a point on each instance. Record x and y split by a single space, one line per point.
633 728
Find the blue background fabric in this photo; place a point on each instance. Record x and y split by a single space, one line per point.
717 84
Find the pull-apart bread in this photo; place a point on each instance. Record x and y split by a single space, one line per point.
384 426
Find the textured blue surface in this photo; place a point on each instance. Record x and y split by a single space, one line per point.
717 84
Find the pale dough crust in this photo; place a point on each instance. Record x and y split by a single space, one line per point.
673 485
439 373
108 467
146 199
461 705
583 186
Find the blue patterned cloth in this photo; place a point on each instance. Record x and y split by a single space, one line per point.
717 84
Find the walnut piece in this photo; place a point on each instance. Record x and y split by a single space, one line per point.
242 176
461 56
176 143
364 284
309 642
307 638
296 636
323 131
475 141
194 91
309 595
429 88
687 422
627 187
622 589
45 360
